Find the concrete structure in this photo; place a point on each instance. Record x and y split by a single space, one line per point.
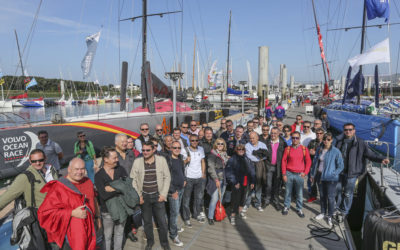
283 81
263 57
342 83
291 87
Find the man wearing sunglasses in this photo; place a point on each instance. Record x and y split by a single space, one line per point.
193 128
355 151
159 134
195 182
229 134
298 124
185 131
144 136
53 151
307 135
296 164
151 179
42 172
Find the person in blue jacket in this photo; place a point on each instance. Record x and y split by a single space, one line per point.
240 175
279 112
325 170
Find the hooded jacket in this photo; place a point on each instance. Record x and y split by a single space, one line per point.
333 164
55 215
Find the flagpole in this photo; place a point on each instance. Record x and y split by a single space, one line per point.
362 42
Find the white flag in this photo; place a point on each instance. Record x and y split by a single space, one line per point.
91 42
380 53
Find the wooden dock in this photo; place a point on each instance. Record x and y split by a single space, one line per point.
261 230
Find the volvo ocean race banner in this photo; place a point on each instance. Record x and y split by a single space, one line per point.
380 53
377 8
87 62
31 83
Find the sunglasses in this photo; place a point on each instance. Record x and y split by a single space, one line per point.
158 130
146 150
194 140
229 125
144 129
348 129
82 135
193 125
176 147
220 144
306 126
185 127
240 149
295 138
36 161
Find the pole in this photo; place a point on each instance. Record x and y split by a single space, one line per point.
174 103
229 44
144 54
362 41
242 104
194 61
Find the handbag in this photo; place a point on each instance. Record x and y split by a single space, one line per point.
220 213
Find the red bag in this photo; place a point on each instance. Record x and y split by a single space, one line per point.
220 213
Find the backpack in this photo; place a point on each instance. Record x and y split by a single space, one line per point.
304 153
27 232
268 112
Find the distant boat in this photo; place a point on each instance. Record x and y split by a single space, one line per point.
34 103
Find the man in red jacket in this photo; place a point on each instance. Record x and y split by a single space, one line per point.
298 124
296 164
68 211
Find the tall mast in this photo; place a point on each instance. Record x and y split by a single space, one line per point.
362 41
229 45
144 53
19 53
320 49
194 61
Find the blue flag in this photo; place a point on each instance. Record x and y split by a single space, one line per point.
31 83
377 8
347 84
356 87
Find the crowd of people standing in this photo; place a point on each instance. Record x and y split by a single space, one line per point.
193 165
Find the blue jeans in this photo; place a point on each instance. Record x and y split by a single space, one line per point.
214 200
248 199
174 207
89 165
296 181
344 191
327 194
197 187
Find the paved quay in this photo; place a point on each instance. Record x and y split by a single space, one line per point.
261 230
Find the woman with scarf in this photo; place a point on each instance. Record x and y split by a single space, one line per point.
241 176
216 162
325 170
84 149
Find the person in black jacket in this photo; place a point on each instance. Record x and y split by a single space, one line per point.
208 141
177 168
238 139
276 146
355 152
240 176
109 172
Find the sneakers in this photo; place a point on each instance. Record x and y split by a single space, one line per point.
329 221
178 242
188 224
285 211
201 220
243 215
260 209
180 230
311 199
202 215
300 213
244 210
233 222
320 216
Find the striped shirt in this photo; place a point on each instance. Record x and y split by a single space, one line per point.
150 179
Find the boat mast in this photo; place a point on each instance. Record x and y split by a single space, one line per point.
229 45
362 41
144 53
320 49
19 53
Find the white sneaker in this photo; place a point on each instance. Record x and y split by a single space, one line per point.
233 221
260 209
329 220
244 210
202 215
180 230
320 216
243 215
178 242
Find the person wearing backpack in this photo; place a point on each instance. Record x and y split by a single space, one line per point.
296 164
26 186
279 112
83 148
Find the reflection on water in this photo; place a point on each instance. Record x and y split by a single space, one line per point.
19 116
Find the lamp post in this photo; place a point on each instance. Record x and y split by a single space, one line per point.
174 76
243 84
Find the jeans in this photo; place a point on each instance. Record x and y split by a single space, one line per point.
214 200
273 186
174 207
110 229
249 193
196 186
344 191
89 165
296 181
327 194
152 207
237 198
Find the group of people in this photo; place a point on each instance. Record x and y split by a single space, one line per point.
192 165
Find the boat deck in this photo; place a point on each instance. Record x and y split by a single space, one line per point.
261 230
